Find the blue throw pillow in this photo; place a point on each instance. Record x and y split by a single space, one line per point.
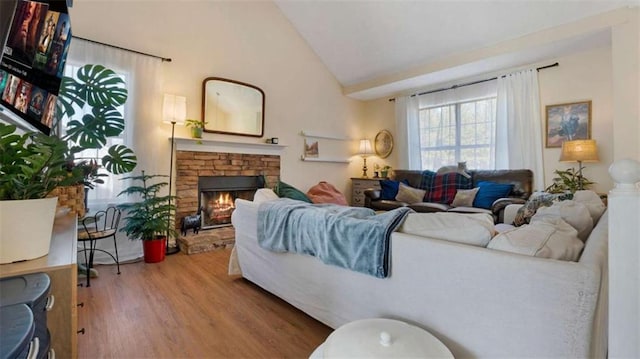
489 192
389 188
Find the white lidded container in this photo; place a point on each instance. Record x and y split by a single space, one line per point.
381 338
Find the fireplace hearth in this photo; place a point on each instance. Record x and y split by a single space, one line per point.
217 196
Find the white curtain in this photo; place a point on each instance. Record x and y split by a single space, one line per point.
408 133
142 113
518 124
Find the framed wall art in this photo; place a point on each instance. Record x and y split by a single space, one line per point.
383 144
567 122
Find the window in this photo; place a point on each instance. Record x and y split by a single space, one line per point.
107 192
463 131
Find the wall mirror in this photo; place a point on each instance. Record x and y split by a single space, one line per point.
232 107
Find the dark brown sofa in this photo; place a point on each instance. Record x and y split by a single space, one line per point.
522 181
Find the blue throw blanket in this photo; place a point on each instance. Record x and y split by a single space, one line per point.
350 237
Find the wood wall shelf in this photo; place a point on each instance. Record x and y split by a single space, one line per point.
205 145
320 159
325 136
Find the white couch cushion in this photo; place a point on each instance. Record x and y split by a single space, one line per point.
574 213
264 194
593 203
474 229
549 237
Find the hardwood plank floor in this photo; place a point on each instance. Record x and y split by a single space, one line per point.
188 307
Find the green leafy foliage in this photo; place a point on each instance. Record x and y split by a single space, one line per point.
101 90
32 164
152 216
568 181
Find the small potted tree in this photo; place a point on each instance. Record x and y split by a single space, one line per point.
149 219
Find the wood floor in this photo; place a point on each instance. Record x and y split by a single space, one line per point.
188 307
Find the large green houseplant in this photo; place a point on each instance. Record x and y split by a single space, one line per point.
31 166
149 219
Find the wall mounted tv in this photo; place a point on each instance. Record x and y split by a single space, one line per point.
32 62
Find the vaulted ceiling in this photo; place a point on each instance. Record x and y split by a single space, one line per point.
364 43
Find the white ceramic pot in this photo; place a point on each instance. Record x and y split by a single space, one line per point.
25 228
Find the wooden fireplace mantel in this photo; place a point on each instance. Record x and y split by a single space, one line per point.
204 145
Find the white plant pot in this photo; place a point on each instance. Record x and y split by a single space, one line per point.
26 227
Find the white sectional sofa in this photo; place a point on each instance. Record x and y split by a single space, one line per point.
479 302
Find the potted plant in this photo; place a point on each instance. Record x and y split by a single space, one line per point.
149 220
31 166
568 182
196 127
384 171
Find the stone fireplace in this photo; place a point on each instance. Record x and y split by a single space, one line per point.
218 194
202 176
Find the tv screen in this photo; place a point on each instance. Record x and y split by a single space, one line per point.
33 62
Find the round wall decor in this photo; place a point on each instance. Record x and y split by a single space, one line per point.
383 144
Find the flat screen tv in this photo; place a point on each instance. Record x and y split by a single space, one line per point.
32 63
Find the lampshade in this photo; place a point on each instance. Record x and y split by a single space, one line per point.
174 109
579 151
365 148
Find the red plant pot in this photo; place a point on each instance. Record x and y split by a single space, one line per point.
154 249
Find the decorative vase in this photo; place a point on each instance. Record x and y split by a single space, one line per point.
196 132
25 228
154 249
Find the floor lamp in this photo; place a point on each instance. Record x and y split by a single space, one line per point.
174 111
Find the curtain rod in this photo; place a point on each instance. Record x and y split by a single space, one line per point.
472 83
167 59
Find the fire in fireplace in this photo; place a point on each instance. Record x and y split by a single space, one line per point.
217 196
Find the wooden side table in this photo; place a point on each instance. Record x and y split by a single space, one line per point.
358 185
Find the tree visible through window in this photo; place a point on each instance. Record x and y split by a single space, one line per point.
458 132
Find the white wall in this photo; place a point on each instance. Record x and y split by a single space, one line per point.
581 77
250 42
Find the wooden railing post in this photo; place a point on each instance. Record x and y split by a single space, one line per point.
624 260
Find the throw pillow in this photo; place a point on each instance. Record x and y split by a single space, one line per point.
442 187
572 212
389 188
489 192
325 192
465 197
288 191
535 201
548 238
264 194
409 194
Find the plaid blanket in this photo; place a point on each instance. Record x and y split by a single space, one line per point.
441 188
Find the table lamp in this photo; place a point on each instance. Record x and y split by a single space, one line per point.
365 151
579 151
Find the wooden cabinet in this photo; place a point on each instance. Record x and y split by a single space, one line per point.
358 185
60 265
